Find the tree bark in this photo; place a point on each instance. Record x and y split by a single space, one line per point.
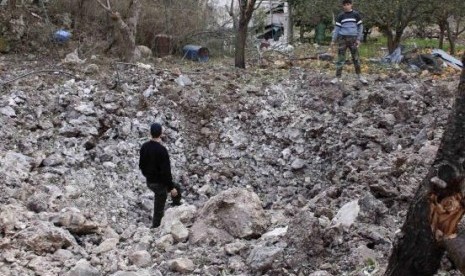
456 250
438 205
246 8
241 38
393 40
442 30
126 31
291 24
451 39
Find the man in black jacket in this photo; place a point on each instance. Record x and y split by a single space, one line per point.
155 165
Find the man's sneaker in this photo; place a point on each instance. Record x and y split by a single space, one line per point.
362 80
335 81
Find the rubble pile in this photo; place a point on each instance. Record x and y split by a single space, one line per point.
283 173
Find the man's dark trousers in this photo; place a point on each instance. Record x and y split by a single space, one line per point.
161 193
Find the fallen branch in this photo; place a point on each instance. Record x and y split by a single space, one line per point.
38 72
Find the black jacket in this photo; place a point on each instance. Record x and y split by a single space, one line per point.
155 165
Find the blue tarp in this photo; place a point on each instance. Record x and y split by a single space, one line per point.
61 36
394 57
195 52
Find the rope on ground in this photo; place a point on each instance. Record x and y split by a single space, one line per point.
37 72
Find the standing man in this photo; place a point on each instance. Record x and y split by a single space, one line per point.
155 165
347 34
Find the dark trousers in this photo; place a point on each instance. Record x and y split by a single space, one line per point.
344 43
161 194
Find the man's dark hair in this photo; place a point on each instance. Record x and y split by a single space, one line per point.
346 2
155 130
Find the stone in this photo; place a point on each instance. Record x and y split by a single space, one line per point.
347 215
44 237
83 267
179 231
181 265
234 213
140 258
106 245
261 258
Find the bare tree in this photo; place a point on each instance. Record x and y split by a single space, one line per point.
246 9
430 228
231 13
125 31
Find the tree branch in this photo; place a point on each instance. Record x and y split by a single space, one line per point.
107 8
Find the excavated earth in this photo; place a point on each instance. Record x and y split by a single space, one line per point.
283 173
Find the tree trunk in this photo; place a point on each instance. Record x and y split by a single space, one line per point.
391 44
290 34
456 249
301 33
233 16
438 205
246 8
451 39
241 38
11 4
442 30
78 14
125 31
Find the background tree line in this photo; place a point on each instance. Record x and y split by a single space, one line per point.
98 24
391 17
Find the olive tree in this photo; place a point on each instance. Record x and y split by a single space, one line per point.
449 15
392 17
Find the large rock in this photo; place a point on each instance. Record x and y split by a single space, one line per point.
261 258
15 167
10 216
182 265
234 213
82 268
347 215
44 237
305 239
75 222
140 258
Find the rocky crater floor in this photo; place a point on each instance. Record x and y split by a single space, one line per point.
283 173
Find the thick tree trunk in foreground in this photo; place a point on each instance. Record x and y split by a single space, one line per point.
431 224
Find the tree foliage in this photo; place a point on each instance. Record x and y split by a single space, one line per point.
449 17
392 17
307 14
